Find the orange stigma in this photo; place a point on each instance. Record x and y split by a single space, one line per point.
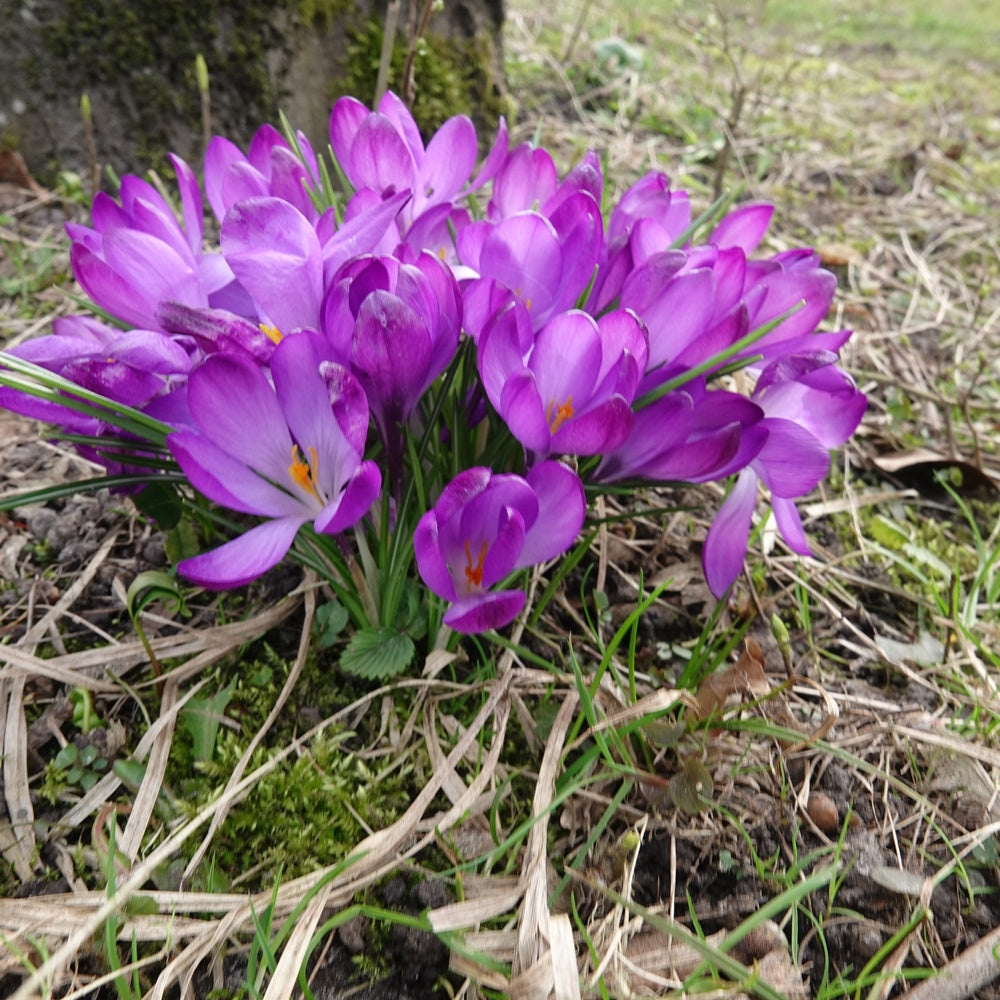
303 472
271 332
557 414
474 574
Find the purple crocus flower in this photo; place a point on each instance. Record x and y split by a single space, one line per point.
485 526
285 262
131 367
571 391
382 150
397 325
137 253
810 406
291 453
647 220
689 435
547 262
528 180
699 302
270 168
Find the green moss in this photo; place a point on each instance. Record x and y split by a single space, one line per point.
301 816
143 53
453 77
308 812
322 13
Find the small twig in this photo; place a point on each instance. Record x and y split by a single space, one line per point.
976 967
414 33
385 57
577 31
90 145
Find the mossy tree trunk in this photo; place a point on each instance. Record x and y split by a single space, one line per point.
135 60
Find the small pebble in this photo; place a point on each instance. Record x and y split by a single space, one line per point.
823 812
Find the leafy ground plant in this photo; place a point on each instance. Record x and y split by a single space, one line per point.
636 789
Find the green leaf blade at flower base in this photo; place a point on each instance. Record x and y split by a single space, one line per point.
377 654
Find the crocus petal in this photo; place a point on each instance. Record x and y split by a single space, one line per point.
362 233
725 547
806 296
380 159
430 561
191 203
390 354
450 157
228 481
523 253
46 411
235 406
242 182
461 490
600 429
160 270
743 227
150 351
392 107
244 558
275 253
696 460
562 508
567 358
521 408
786 515
481 612
528 177
679 314
305 405
356 500
495 158
345 120
792 461
505 548
220 155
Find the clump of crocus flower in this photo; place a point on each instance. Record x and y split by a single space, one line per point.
514 347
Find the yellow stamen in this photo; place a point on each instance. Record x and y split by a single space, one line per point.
303 472
557 414
271 332
474 574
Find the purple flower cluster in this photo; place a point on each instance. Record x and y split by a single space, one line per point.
601 342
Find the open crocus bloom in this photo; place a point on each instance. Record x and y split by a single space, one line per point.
137 253
487 525
571 391
269 168
382 151
291 453
546 261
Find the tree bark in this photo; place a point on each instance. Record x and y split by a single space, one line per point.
135 60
